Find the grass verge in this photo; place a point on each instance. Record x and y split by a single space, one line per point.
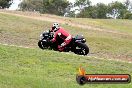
34 68
25 32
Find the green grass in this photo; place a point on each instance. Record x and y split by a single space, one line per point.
24 31
119 25
20 31
34 68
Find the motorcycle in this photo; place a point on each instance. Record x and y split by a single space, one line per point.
77 44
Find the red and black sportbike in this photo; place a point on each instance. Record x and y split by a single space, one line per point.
77 45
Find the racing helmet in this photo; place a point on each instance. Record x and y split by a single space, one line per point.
55 27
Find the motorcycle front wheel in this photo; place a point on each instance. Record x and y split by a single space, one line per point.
40 44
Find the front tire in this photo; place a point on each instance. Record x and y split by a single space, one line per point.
40 44
81 49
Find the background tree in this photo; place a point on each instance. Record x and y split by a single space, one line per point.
84 8
57 7
31 5
97 11
128 5
81 4
5 3
88 12
128 15
117 9
101 10
69 11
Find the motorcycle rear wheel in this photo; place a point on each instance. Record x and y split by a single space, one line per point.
81 49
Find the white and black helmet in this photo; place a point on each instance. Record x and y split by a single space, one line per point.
55 27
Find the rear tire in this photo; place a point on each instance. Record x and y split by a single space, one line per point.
83 49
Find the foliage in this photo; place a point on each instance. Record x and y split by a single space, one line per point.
88 12
113 10
84 8
55 6
97 11
101 10
45 6
69 12
5 3
128 15
128 5
81 4
117 9
31 5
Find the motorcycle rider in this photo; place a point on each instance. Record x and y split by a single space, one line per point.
61 33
